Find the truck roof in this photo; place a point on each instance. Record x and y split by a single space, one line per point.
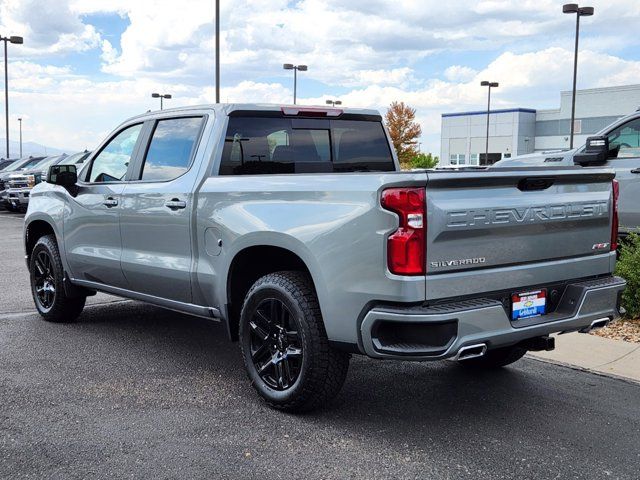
227 108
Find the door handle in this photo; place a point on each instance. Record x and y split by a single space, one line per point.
636 170
175 204
110 202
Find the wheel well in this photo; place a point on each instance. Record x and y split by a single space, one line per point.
247 267
36 230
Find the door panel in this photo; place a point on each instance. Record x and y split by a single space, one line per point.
92 234
156 211
624 140
92 223
629 202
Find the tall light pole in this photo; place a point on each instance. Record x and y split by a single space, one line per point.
295 68
491 85
217 51
580 12
334 102
161 97
18 41
20 121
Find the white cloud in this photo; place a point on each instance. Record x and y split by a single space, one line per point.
47 27
457 73
109 54
374 51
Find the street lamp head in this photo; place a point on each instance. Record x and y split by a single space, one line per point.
338 102
494 84
585 11
155 95
302 68
570 8
15 39
167 95
329 102
288 66
484 83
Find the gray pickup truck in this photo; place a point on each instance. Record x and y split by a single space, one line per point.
617 146
294 227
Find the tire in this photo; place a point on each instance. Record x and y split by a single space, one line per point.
284 344
47 283
496 358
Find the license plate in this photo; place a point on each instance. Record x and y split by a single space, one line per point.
528 304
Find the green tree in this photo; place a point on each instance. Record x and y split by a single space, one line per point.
424 160
404 131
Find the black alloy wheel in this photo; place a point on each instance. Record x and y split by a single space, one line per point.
284 344
44 285
276 345
52 300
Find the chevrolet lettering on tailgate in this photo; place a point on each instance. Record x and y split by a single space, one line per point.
535 214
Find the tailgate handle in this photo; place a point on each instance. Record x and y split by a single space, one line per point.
536 183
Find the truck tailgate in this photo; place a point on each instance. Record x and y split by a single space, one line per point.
498 218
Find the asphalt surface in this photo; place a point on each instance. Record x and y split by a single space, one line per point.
133 391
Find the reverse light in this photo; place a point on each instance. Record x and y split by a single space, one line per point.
406 249
614 222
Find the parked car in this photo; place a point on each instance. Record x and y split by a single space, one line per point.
295 228
17 166
20 185
622 154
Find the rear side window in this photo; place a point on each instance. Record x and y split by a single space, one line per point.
256 145
171 148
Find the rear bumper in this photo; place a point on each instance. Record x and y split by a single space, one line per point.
440 331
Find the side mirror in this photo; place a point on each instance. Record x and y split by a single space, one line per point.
64 175
596 152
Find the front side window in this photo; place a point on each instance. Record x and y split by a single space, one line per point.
271 145
112 162
171 148
626 139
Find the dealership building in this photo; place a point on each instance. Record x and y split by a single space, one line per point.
518 131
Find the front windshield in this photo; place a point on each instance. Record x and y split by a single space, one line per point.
32 162
73 159
9 166
47 162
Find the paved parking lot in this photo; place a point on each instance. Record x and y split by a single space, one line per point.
133 391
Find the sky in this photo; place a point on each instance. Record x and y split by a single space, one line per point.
87 65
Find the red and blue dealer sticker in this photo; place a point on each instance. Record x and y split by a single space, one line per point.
528 304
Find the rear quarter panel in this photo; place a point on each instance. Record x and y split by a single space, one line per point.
333 222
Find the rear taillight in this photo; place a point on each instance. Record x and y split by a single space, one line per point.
406 248
614 223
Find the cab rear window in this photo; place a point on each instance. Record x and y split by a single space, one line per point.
277 145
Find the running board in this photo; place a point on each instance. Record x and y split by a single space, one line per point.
210 313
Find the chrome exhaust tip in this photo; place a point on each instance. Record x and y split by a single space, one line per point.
596 324
471 351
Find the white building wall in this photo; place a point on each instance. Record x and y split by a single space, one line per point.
521 131
466 134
